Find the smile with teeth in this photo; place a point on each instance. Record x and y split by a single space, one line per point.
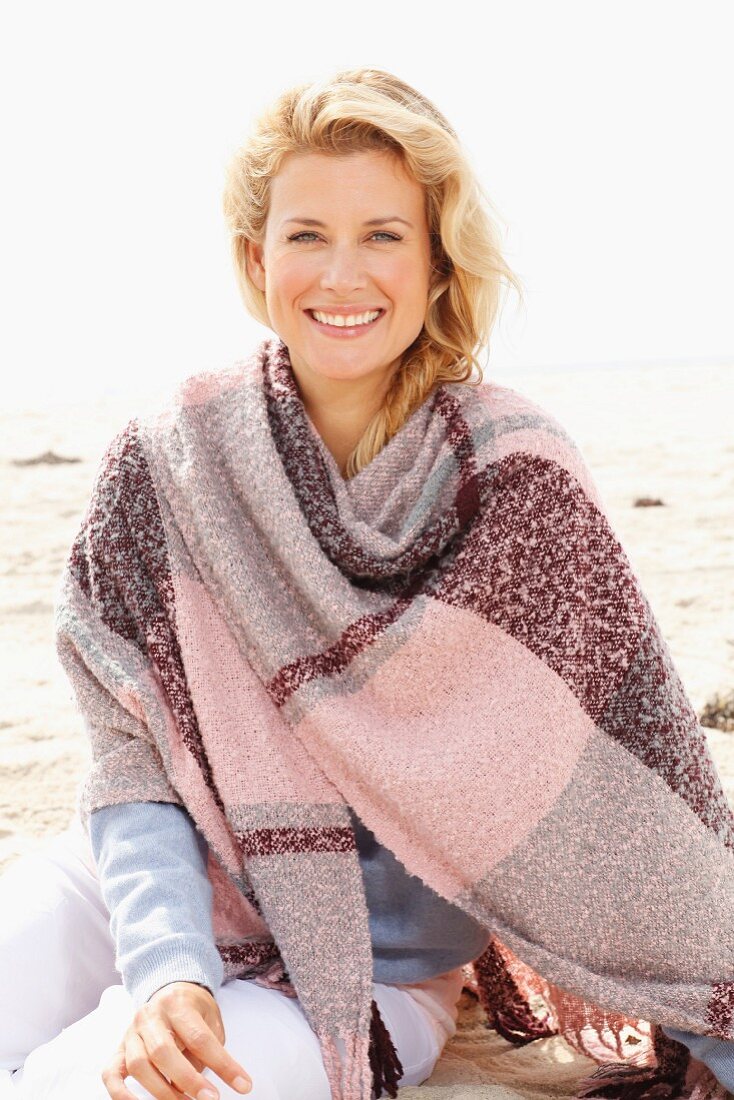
349 321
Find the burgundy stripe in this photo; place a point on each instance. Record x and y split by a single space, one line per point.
303 839
353 641
468 497
529 564
720 1010
248 954
120 561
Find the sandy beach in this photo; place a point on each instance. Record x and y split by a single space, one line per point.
653 432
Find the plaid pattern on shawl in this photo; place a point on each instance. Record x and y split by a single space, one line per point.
454 643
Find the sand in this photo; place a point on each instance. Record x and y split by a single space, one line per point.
655 432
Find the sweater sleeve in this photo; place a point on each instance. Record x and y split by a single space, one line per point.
717 1054
151 862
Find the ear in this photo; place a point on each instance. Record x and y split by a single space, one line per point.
254 263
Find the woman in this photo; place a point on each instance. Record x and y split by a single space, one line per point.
276 614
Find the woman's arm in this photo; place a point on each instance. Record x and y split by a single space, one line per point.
151 862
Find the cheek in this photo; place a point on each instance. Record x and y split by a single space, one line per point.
408 282
288 279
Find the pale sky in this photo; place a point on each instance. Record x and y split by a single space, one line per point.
600 131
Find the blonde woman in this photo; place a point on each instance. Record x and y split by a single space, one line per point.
212 865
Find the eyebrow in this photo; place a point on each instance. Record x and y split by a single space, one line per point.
372 221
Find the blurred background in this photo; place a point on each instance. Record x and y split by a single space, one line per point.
598 130
600 134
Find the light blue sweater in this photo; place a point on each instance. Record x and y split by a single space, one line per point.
151 862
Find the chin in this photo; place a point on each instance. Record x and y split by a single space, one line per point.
342 363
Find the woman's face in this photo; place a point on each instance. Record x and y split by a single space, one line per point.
321 253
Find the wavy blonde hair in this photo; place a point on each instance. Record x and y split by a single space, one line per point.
369 109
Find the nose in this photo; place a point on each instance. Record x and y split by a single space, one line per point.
343 271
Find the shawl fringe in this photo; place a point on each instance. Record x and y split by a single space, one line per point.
655 1068
387 1069
507 1010
370 1067
664 1081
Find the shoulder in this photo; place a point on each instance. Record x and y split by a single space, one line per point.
527 441
122 472
514 412
212 385
202 409
125 462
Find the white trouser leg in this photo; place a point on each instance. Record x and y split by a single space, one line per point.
56 949
266 1032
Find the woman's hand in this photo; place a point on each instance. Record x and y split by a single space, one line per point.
173 1036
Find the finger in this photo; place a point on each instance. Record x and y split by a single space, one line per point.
195 1062
198 1065
202 1042
114 1076
162 1047
140 1067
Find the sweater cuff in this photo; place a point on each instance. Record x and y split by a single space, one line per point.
176 959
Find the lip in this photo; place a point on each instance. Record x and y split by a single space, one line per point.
345 331
344 311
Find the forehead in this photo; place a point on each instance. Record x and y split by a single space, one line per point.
311 182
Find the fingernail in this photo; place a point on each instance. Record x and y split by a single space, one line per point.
207 1094
241 1084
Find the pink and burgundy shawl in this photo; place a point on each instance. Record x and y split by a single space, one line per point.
454 643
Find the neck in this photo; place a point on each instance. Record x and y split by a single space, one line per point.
341 409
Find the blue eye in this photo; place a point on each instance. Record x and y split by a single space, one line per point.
377 233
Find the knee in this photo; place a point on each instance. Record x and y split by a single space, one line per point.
271 1038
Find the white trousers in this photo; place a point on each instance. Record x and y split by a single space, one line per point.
64 1011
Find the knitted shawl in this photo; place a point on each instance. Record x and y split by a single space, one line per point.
453 643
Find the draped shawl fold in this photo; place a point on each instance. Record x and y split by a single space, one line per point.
454 644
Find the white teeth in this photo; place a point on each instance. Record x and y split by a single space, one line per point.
342 322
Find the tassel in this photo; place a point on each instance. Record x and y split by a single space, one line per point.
506 1009
386 1067
663 1081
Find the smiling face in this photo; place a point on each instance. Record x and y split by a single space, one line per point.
344 265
